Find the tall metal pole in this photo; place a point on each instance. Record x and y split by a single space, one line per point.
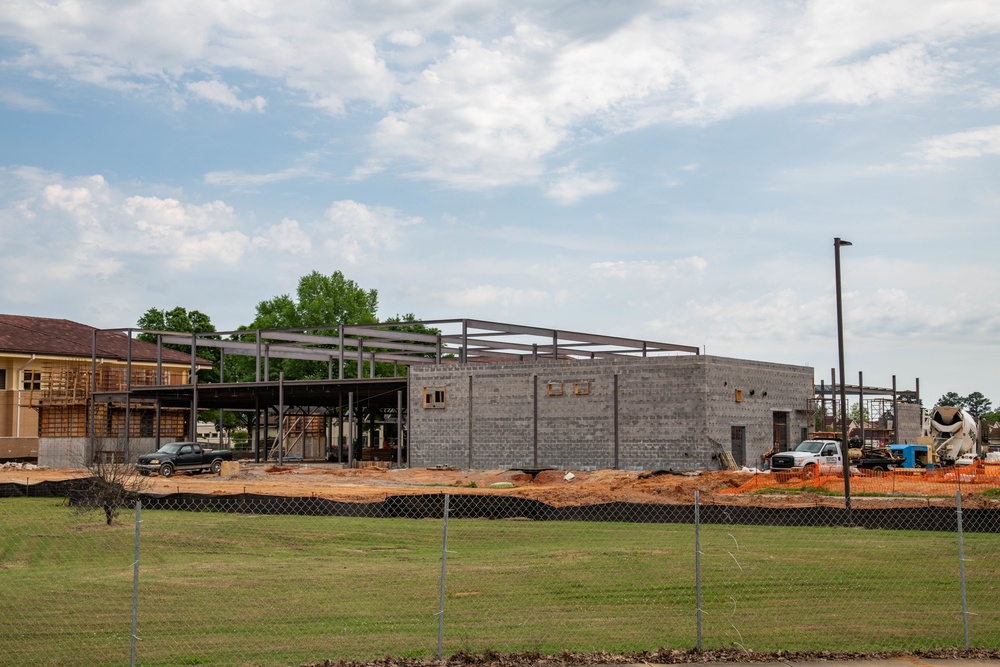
895 413
135 583
961 568
697 564
861 405
837 243
281 418
444 573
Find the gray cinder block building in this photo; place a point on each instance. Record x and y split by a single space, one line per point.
669 412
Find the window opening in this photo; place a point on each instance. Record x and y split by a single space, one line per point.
32 380
434 397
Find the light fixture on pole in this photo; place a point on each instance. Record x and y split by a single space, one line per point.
844 445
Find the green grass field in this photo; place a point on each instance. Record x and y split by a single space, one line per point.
235 589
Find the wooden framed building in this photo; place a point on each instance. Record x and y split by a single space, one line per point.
49 369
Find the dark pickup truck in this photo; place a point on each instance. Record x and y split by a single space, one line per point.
179 456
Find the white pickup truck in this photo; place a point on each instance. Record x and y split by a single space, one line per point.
810 459
822 457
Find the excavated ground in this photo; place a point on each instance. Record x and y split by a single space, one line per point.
554 487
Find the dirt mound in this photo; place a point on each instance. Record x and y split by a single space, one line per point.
554 487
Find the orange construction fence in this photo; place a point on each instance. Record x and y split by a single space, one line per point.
976 478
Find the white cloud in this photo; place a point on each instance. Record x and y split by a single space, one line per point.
477 296
505 91
320 51
570 186
362 231
646 271
239 179
286 236
82 202
406 38
491 113
225 96
369 168
90 228
186 234
15 99
971 143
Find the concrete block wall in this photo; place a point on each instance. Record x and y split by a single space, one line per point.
766 389
72 452
910 422
668 411
502 417
662 414
576 427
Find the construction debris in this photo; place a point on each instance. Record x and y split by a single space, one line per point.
15 465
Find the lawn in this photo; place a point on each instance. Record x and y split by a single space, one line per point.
234 589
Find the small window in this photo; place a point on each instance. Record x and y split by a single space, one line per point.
3 378
555 389
32 380
434 397
581 388
739 395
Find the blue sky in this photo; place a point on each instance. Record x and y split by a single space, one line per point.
674 171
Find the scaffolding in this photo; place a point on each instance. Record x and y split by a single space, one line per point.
62 397
877 423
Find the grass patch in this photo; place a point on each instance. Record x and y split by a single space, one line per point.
225 589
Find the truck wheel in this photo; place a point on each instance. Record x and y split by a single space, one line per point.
166 470
880 469
809 472
217 466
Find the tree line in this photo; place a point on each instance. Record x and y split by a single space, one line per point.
976 404
320 302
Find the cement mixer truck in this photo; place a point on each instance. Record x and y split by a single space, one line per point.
951 433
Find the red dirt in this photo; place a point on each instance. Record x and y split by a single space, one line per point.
554 487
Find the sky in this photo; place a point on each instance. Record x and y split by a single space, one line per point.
674 171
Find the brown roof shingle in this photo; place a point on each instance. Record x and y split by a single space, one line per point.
43 335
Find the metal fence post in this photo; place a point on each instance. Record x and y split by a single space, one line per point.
961 567
135 582
697 563
444 570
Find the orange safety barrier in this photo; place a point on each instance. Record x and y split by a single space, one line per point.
976 478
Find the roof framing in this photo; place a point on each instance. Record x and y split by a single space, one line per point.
459 341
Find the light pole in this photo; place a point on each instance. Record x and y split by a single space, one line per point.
844 445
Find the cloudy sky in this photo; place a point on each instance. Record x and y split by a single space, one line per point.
669 170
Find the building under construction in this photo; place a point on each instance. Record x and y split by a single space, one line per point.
463 393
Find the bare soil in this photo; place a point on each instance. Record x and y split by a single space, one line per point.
554 487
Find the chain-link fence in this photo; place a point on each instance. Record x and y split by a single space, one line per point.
234 580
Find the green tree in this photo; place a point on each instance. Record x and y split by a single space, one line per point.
854 413
176 319
951 399
321 302
181 320
976 404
